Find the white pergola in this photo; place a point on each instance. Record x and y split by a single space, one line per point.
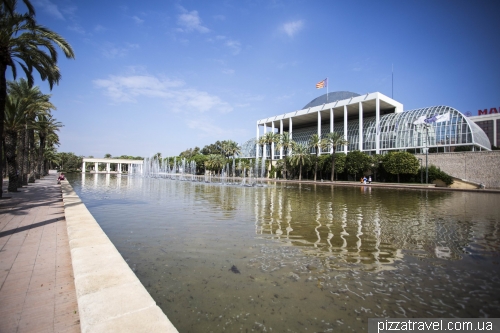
110 161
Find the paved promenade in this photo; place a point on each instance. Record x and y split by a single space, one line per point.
37 290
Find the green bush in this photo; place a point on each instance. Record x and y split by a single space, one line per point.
437 173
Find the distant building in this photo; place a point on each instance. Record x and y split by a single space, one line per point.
373 123
490 124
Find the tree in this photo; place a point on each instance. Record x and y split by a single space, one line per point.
69 161
317 143
357 162
377 160
31 45
14 122
45 126
401 162
34 104
190 153
285 142
215 162
231 148
214 148
300 156
270 138
262 142
335 139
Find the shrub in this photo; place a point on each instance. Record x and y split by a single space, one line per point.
437 173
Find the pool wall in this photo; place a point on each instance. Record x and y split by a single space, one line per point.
110 296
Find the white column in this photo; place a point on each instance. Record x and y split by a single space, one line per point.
319 128
377 126
119 168
264 148
494 143
291 138
345 127
108 167
272 144
331 126
281 132
360 147
96 167
257 142
83 167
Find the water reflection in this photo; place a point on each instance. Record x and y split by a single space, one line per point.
317 257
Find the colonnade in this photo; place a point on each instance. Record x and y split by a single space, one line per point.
355 107
109 161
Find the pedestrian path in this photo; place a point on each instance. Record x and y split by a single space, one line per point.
37 290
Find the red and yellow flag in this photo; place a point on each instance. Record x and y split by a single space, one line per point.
321 84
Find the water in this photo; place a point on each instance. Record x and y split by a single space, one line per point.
306 258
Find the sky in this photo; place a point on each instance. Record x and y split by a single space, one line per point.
165 76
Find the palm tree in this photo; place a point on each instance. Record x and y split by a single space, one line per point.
45 126
10 5
335 139
231 148
317 143
300 156
285 142
262 142
13 122
31 45
35 104
270 138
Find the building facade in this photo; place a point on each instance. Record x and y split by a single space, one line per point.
490 124
372 123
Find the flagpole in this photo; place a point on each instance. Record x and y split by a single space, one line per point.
327 89
392 93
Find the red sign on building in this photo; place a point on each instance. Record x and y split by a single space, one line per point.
485 111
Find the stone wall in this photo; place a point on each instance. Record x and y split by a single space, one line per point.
478 166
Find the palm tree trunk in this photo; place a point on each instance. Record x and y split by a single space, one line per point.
316 165
41 170
32 155
3 96
10 155
333 162
20 157
300 172
25 167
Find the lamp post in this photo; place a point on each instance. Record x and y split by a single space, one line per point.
426 153
421 172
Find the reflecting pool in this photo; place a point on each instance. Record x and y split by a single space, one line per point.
294 258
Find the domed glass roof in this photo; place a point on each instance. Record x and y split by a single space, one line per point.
332 97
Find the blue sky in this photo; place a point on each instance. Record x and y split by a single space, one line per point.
164 76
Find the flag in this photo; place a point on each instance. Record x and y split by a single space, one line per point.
321 84
433 119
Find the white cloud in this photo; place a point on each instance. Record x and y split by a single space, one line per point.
112 51
137 20
50 8
228 71
235 46
291 28
206 128
172 92
190 21
77 28
99 28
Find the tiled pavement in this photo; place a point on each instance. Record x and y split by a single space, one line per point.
37 290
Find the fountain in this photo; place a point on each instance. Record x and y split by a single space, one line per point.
185 170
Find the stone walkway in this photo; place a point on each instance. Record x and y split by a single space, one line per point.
37 290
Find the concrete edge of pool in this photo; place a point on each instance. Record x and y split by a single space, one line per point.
110 296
